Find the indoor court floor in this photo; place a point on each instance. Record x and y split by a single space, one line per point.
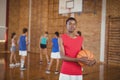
35 71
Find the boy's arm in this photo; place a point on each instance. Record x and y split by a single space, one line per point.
18 41
47 40
27 42
82 47
39 42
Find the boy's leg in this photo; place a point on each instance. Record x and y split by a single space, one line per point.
41 54
16 63
47 57
11 59
11 56
22 61
15 58
23 55
57 64
49 66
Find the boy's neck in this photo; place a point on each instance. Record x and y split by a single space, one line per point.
72 34
24 34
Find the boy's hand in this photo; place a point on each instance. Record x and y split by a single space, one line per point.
86 61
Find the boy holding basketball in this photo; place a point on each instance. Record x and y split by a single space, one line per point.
70 45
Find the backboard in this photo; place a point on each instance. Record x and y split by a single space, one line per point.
70 6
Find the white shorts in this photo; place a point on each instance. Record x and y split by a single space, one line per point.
70 77
23 53
55 55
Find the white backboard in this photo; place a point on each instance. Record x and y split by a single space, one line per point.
70 6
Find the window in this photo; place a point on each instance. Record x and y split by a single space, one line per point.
2 20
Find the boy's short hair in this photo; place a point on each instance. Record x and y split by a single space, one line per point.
79 33
71 18
13 34
57 34
25 30
46 32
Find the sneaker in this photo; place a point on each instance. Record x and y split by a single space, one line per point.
17 64
56 72
22 68
47 71
12 65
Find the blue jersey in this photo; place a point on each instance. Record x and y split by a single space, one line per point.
22 43
55 46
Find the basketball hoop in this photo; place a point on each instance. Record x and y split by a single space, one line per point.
65 14
71 13
69 7
69 10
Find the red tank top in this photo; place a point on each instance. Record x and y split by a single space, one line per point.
71 46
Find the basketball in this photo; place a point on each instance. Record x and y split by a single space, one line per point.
85 53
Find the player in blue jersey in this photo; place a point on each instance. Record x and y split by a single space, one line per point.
55 54
23 42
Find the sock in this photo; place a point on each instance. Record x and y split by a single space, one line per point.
22 63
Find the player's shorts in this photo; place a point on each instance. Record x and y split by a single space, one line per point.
43 46
13 49
55 55
23 53
70 77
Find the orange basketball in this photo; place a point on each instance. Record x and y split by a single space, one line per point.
85 53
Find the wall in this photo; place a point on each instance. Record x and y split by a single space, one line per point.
90 26
113 10
39 22
45 17
2 46
2 23
18 17
88 23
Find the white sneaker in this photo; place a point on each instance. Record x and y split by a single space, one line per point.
12 65
17 64
22 68
47 71
56 72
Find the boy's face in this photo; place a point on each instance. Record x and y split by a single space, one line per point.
46 35
15 36
26 33
71 25
55 35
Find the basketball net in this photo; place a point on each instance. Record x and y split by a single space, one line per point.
69 10
71 13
